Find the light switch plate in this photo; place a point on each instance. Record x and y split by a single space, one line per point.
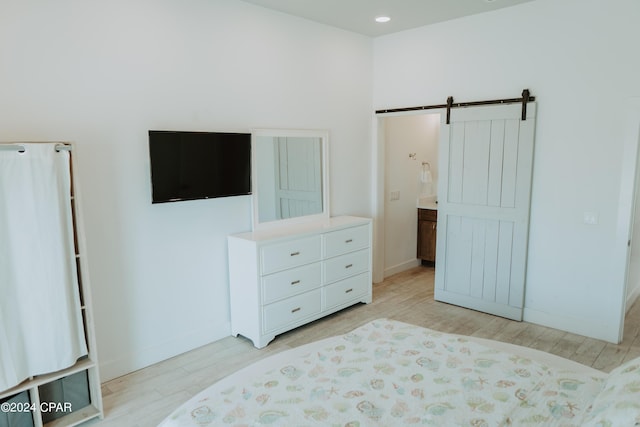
591 218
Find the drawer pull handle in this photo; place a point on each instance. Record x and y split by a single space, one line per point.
348 266
348 241
295 309
295 282
295 253
348 290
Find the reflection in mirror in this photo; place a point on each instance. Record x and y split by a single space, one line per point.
289 176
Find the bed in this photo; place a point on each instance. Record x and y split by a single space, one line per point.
389 373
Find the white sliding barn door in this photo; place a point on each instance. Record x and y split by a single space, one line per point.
486 159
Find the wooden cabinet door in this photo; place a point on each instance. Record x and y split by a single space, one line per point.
427 240
427 225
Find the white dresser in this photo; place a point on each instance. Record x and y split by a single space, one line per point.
283 278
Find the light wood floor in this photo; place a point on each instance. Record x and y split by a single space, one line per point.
143 398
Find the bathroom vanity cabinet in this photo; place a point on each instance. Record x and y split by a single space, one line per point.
427 229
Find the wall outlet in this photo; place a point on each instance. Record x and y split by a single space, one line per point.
394 195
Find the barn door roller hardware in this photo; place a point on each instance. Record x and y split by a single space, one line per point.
524 99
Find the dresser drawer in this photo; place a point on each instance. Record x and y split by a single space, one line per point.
291 310
291 282
293 253
346 265
346 240
346 290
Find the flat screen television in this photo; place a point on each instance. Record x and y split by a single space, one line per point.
199 165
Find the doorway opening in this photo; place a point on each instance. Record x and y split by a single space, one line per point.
485 163
408 156
629 219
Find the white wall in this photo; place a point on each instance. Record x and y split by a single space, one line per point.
405 135
577 58
101 74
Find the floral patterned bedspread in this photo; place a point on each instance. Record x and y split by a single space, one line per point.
388 373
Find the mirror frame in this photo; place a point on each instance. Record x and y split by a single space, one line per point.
311 133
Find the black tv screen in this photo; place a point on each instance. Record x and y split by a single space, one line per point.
199 165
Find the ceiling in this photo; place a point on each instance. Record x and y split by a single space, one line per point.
358 15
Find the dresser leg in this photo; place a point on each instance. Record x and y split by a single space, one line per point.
263 341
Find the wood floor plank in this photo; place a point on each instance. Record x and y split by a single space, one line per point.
143 398
611 356
567 345
588 351
528 335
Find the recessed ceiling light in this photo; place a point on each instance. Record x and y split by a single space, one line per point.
383 19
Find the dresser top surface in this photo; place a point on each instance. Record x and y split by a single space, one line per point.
315 227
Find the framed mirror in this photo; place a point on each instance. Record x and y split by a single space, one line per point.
289 176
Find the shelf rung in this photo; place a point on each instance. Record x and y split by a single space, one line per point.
80 365
75 417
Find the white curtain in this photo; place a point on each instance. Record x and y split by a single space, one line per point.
41 327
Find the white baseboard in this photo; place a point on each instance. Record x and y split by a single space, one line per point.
132 362
399 268
592 328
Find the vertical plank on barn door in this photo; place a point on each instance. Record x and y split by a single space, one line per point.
486 160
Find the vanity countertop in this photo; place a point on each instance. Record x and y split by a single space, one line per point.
427 205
